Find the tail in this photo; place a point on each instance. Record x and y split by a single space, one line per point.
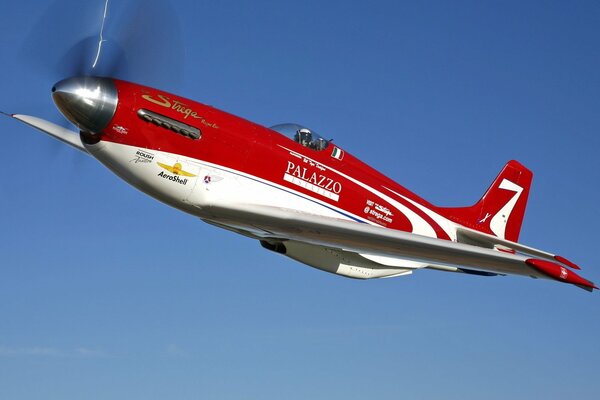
501 209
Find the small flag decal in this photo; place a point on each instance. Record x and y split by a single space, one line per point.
337 153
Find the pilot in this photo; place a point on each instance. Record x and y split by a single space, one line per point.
320 144
304 137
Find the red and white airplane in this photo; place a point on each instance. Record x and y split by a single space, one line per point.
295 192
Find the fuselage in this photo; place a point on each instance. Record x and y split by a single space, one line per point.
232 162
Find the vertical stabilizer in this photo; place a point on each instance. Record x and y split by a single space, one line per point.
501 209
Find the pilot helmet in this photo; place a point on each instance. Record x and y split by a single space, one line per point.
305 136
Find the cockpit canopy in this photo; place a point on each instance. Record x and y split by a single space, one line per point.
306 137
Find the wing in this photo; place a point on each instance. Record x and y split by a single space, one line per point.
392 248
56 131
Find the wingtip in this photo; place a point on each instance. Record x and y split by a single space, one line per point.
7 114
587 288
560 273
593 287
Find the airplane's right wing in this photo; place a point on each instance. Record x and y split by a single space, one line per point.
278 225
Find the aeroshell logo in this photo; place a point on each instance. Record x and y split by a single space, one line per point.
176 170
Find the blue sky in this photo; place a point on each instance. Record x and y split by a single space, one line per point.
106 293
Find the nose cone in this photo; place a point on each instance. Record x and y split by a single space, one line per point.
88 102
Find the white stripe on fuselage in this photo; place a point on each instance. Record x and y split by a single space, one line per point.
444 223
419 225
121 154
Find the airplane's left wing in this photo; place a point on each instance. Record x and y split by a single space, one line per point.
56 131
376 243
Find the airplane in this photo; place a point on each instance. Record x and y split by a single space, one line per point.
292 190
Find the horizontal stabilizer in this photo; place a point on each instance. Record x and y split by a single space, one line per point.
566 262
476 238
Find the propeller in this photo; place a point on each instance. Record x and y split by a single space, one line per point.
132 40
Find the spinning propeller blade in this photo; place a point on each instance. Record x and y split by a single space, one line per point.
132 40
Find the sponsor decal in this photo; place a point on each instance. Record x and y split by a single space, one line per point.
177 171
142 157
378 213
298 155
337 153
167 102
563 273
309 177
173 178
212 179
120 129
